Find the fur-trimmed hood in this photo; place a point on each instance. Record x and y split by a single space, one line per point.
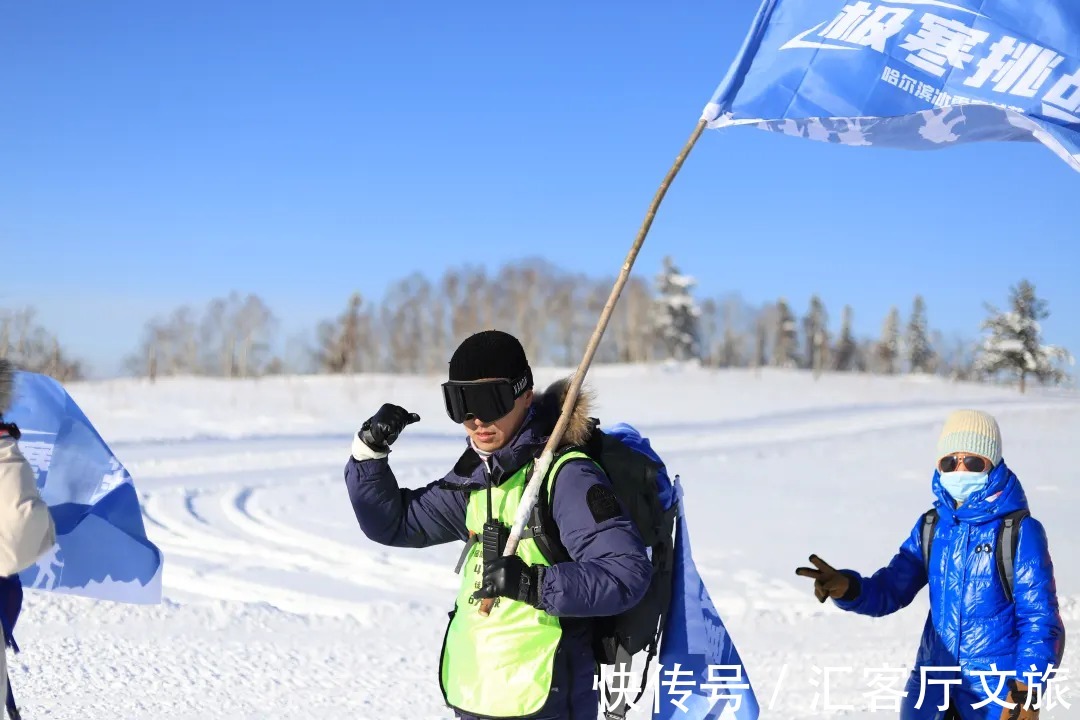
7 379
548 406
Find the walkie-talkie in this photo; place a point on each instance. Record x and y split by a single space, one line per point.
495 537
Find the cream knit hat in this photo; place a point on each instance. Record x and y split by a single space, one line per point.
970 431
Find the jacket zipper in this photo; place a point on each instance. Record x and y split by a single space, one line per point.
963 583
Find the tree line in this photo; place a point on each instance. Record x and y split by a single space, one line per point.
415 325
30 346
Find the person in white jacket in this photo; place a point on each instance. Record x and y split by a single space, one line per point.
27 530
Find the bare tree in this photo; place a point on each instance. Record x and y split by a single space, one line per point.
522 290
33 348
438 341
255 325
723 321
958 359
711 333
467 297
236 334
169 346
405 321
566 311
217 340
636 304
343 343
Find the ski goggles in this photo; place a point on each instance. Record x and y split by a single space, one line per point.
972 463
485 400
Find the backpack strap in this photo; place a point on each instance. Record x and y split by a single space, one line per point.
663 561
929 524
1007 540
619 684
541 525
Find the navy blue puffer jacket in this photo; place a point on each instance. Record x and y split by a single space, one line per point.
972 624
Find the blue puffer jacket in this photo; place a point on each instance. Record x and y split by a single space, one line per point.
972 624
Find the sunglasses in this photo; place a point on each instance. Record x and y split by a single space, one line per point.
485 400
950 463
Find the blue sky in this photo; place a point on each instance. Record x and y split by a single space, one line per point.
154 154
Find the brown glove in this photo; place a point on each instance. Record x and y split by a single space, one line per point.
1018 693
828 582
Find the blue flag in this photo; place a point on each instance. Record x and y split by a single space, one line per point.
101 546
696 640
912 74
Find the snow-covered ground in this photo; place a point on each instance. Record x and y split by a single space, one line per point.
278 607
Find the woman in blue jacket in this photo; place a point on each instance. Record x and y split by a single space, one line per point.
1000 637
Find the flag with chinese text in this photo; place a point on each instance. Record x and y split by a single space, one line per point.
701 675
911 74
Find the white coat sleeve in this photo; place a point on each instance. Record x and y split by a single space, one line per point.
26 526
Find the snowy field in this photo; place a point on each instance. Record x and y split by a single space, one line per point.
278 607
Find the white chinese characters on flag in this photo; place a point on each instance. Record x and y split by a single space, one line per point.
915 74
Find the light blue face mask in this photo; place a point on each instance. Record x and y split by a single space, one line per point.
961 485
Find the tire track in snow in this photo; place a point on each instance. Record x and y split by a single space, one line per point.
423 574
327 556
241 554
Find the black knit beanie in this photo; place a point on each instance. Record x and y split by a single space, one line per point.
490 354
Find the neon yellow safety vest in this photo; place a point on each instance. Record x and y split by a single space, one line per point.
501 665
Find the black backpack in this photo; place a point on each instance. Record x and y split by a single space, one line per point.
1008 536
637 480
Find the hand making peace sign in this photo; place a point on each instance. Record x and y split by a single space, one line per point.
828 582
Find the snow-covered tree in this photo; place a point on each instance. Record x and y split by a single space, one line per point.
786 332
1015 343
816 332
845 356
888 348
920 354
676 315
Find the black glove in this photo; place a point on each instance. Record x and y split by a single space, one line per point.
511 577
381 430
10 429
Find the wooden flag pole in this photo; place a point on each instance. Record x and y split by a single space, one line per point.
543 463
